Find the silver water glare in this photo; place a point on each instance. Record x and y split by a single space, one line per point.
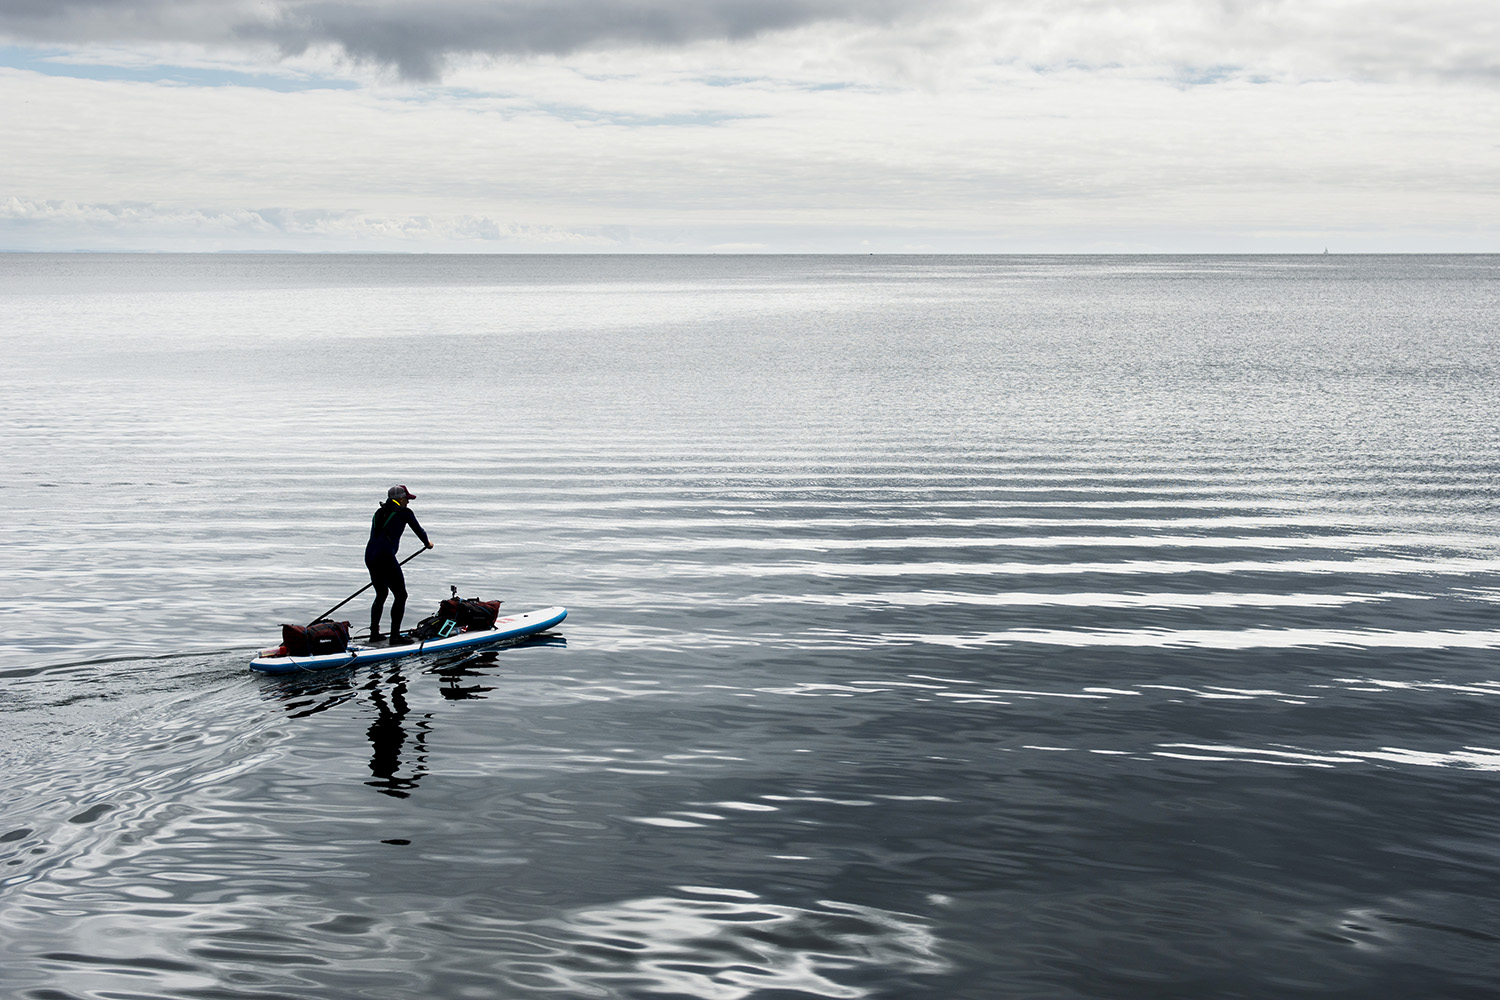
953 627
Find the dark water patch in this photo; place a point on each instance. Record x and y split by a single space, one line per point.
117 963
92 814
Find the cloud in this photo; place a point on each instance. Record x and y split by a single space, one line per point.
122 223
417 38
999 124
1202 41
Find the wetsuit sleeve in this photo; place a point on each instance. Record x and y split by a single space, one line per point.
411 519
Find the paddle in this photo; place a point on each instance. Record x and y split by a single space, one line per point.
366 587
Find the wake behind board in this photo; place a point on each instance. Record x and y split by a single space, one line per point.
509 627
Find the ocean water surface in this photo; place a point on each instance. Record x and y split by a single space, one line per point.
952 627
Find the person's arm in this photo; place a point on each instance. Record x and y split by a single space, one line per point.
411 519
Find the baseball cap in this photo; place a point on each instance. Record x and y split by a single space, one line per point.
399 493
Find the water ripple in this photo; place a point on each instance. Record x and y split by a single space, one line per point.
725 944
973 627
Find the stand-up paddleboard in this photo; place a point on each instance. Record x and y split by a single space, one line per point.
510 627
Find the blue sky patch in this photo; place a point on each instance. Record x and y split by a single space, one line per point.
58 62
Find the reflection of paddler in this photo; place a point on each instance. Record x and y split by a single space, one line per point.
390 520
388 737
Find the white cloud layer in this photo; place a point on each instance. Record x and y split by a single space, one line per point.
782 124
119 225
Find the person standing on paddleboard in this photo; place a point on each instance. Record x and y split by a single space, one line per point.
390 520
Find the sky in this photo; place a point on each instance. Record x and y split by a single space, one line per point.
751 126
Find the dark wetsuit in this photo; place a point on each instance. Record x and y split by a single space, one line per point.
386 526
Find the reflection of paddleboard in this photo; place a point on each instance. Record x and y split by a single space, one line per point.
509 627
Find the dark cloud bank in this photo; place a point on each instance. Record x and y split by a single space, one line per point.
416 38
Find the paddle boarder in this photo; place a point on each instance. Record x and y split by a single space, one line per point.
390 520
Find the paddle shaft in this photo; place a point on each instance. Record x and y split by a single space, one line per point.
366 587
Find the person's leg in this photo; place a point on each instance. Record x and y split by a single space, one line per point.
375 609
398 600
380 574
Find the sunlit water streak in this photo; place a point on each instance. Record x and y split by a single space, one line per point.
952 627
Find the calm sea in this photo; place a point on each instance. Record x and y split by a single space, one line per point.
951 627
